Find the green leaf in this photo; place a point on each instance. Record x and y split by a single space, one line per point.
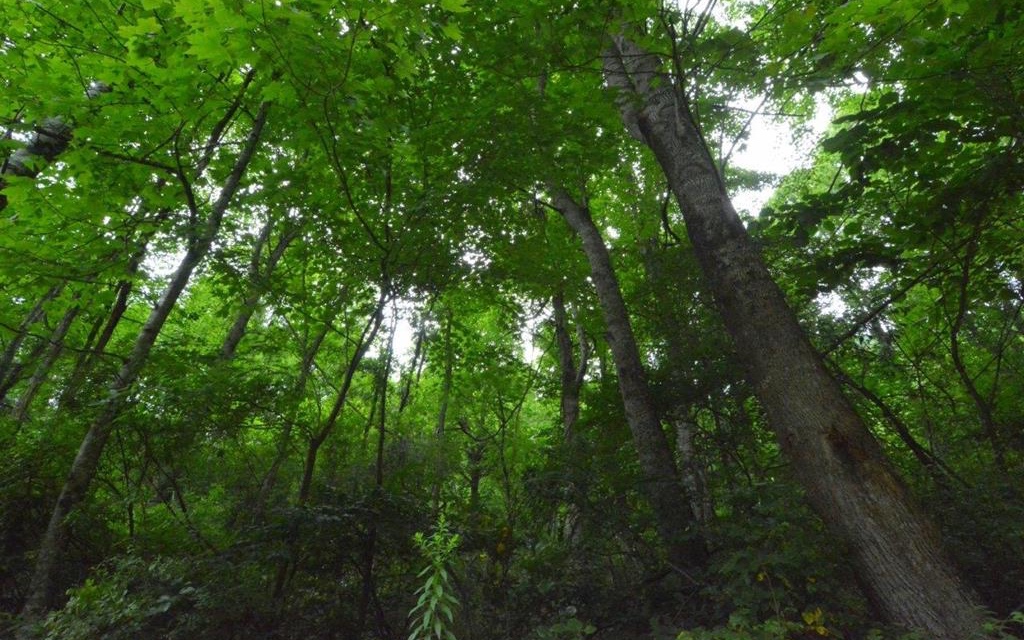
144 26
455 6
451 30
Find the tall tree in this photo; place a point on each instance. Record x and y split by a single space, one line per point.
848 479
672 511
83 469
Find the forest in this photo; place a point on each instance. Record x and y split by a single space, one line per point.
441 319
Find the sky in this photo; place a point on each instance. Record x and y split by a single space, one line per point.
772 147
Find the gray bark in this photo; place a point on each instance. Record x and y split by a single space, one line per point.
675 520
255 279
42 372
849 482
83 469
692 471
8 370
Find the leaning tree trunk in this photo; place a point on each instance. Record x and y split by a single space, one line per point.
849 481
83 469
366 338
256 279
675 520
291 415
9 371
42 372
69 395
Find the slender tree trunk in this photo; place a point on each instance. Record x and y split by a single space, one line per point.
69 396
14 375
985 415
367 594
8 370
270 478
446 384
83 469
849 482
365 339
572 373
440 469
255 281
42 372
285 568
692 470
672 513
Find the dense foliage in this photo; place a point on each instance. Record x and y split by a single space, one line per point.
294 271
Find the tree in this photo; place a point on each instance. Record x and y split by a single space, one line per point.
388 324
847 476
676 521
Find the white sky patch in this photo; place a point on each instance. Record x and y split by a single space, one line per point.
404 346
773 147
161 264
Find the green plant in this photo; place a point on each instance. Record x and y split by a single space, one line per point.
569 629
130 598
1007 628
433 616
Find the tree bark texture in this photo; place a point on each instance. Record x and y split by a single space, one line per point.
83 469
675 520
849 481
692 471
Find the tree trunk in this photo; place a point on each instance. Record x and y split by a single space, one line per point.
298 391
368 591
675 520
692 470
286 568
56 345
69 396
8 370
83 469
849 482
572 374
365 339
255 279
440 466
985 415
